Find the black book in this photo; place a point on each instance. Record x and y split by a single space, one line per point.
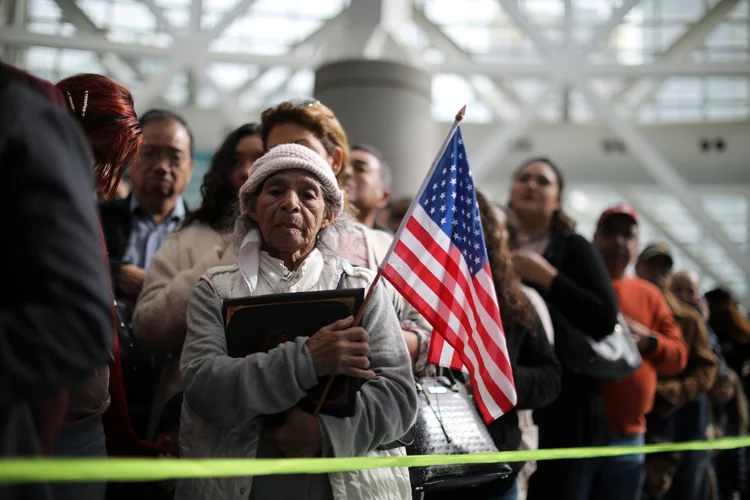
258 324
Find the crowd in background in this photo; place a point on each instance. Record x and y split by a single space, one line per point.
138 371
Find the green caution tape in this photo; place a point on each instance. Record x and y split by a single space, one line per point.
154 469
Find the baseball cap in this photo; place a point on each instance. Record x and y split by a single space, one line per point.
619 209
656 250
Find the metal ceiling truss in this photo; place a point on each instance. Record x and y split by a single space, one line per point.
377 35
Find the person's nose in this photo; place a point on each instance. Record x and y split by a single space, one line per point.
290 202
161 167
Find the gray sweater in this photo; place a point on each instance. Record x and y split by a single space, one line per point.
224 398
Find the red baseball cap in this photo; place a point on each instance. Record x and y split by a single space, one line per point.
619 209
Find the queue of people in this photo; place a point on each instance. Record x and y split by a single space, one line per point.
115 336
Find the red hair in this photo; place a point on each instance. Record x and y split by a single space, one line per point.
110 123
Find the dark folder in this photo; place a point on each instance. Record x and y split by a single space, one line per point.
258 324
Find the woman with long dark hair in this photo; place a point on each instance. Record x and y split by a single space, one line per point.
201 243
570 275
535 369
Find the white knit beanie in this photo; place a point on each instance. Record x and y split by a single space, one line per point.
290 157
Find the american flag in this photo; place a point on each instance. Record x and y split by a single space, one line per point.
439 263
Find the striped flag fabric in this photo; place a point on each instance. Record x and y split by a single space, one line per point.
438 262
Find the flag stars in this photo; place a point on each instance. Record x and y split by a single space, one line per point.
443 221
453 168
477 260
435 186
453 182
442 209
432 210
442 196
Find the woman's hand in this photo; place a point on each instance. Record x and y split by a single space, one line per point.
341 349
299 436
530 266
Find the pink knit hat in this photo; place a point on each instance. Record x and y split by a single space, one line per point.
290 157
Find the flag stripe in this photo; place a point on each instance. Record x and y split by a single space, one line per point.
435 254
416 291
457 333
497 377
439 263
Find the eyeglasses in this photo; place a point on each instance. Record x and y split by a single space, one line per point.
303 102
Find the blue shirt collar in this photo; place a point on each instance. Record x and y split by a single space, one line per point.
178 212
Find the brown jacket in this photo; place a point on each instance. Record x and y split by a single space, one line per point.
698 377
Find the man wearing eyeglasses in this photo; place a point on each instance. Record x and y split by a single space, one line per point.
136 227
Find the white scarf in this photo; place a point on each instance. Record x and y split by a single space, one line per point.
266 275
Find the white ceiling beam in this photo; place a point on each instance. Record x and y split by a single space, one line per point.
498 142
663 173
161 19
667 234
73 14
228 107
190 51
21 37
603 33
454 53
116 66
327 31
654 163
680 49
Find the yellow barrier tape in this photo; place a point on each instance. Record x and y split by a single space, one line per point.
152 469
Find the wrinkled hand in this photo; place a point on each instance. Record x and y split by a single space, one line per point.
341 349
130 279
299 437
530 266
639 333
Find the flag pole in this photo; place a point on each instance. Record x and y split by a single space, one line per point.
415 201
361 312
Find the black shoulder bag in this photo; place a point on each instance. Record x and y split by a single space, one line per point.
449 423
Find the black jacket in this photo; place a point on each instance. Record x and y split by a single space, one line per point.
117 223
536 373
55 317
56 324
581 297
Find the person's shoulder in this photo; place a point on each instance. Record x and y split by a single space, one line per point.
575 240
354 273
219 271
118 206
641 286
24 110
377 235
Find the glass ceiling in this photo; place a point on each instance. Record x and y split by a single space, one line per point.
483 31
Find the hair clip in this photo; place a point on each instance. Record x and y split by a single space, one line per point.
70 100
85 103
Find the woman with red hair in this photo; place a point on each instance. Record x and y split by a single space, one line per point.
104 109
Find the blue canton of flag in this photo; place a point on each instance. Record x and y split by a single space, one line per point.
451 203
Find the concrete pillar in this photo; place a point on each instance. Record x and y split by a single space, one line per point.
385 104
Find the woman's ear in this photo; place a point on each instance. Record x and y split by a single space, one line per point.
337 161
328 219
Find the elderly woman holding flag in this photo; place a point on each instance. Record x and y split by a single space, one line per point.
287 233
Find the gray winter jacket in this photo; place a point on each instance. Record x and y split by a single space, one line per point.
224 398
